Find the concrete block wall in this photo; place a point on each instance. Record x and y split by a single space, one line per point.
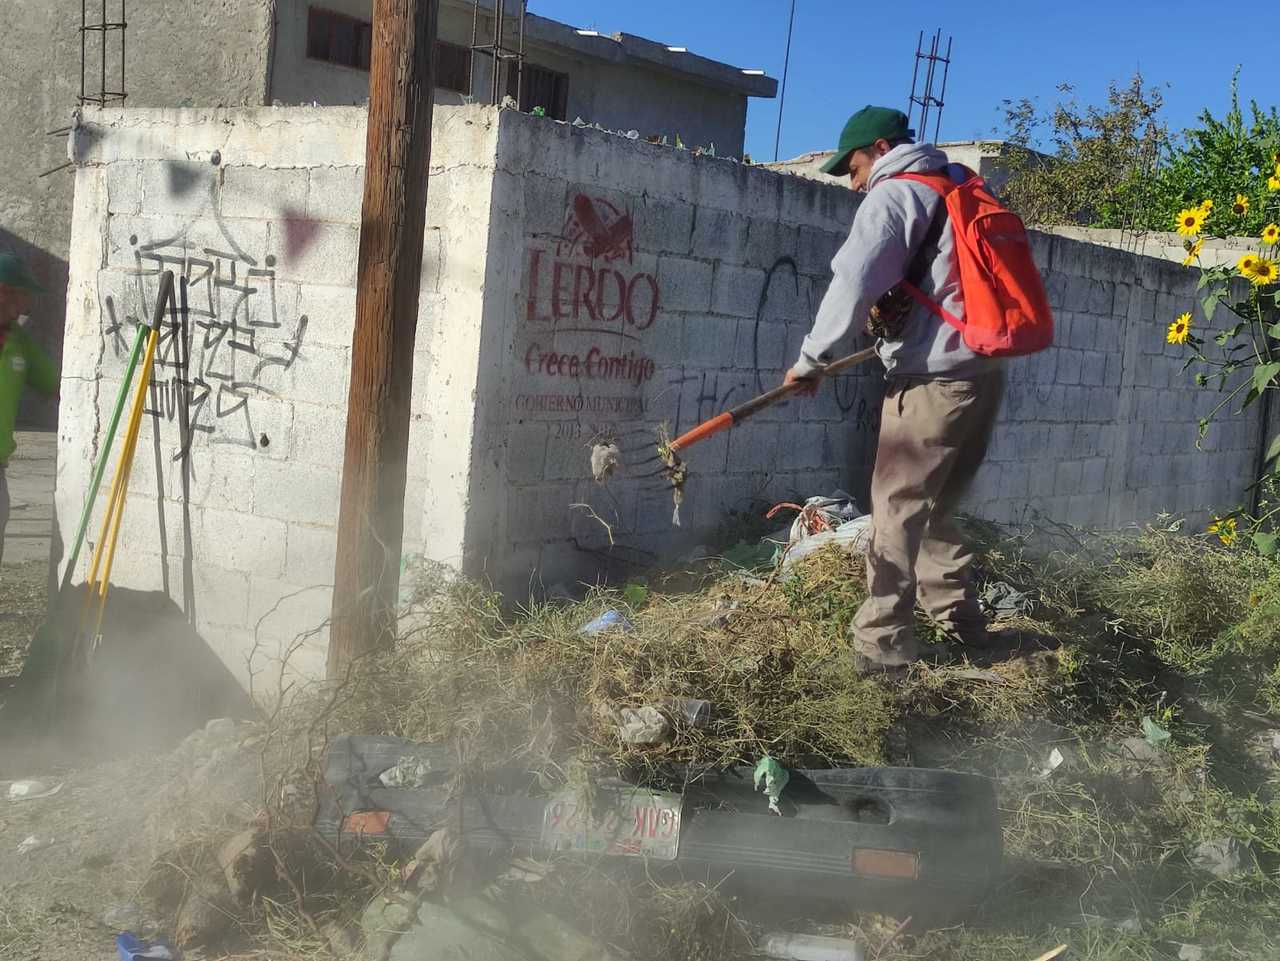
700 277
1101 429
234 495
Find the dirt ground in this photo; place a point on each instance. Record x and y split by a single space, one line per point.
23 596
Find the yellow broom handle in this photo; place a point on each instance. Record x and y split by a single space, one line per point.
126 464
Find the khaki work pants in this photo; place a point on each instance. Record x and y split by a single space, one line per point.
933 437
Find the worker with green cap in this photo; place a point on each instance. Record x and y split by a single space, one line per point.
22 362
941 398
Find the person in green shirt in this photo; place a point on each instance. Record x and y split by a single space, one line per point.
22 362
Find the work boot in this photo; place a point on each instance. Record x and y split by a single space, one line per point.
932 655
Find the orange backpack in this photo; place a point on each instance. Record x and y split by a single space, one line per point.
1006 312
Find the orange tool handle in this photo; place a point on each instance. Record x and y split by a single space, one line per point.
704 430
744 410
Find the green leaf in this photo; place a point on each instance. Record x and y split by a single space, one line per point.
635 595
1202 428
1210 303
1273 451
1274 330
1264 374
1201 380
1222 338
1249 398
1156 735
1266 544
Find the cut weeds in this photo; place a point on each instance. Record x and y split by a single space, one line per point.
1100 847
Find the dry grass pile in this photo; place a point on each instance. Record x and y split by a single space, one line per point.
1164 630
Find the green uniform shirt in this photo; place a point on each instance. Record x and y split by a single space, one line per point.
21 362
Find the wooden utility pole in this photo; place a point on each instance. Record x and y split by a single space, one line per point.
397 155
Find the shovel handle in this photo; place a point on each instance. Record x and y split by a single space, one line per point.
744 410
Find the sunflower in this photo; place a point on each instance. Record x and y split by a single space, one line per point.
1207 205
1264 272
1190 221
1273 182
1225 528
1246 265
1271 234
1179 330
1241 206
1193 252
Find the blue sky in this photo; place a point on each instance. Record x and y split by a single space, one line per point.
845 55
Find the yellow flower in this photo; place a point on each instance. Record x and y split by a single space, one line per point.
1193 252
1190 221
1241 206
1225 528
1273 182
1270 234
1179 330
1264 272
1207 205
1246 264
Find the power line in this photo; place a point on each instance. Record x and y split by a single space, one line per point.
782 95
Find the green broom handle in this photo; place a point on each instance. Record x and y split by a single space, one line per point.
162 298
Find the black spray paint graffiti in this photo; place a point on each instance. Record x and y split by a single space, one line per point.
220 347
712 398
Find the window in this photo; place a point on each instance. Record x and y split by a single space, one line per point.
548 89
337 38
453 67
340 39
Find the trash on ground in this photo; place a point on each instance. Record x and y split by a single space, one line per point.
774 777
1224 858
643 726
689 711
1154 734
1053 953
131 947
1190 952
608 621
809 947
408 772
852 537
33 842
820 514
1055 761
1002 600
32 790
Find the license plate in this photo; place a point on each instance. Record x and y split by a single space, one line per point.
630 822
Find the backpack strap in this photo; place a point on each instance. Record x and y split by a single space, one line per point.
943 185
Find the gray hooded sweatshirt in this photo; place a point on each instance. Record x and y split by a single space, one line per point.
888 229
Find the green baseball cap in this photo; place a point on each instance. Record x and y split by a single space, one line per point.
863 129
14 273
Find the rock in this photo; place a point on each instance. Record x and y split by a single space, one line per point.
207 916
1140 750
128 916
1190 952
1224 858
643 726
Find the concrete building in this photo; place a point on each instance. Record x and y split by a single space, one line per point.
259 52
981 156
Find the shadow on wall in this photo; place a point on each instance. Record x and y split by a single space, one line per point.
151 682
47 317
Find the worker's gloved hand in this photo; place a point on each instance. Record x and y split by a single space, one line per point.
809 383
